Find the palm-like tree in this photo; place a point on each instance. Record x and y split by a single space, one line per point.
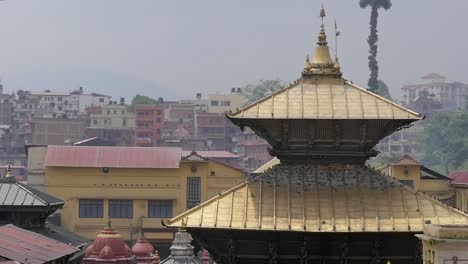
375 5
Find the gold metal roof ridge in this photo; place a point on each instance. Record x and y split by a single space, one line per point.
385 99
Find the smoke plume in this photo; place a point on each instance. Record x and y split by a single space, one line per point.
375 5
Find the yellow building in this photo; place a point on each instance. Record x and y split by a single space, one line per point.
222 103
133 188
460 184
411 173
113 116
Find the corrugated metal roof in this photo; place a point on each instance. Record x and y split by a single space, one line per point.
113 157
459 177
212 154
325 99
321 199
25 246
13 193
273 162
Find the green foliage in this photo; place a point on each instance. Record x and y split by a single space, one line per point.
445 140
383 91
143 99
255 91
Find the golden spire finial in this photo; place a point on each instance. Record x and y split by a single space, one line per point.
8 171
321 64
322 13
322 38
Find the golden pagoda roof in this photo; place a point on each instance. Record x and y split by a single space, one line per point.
325 98
312 198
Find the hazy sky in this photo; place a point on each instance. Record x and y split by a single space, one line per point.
177 48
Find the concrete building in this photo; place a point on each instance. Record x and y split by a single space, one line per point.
460 183
222 103
253 150
113 116
55 104
86 100
118 137
133 187
443 244
451 95
149 120
36 166
55 131
6 107
217 130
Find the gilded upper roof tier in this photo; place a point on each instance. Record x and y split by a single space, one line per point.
321 199
325 98
321 93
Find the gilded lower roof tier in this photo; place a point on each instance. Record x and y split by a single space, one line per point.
326 98
307 198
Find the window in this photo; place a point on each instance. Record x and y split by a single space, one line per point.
108 112
214 103
120 208
225 103
160 208
91 208
94 122
124 122
59 99
158 112
115 112
193 191
101 100
158 120
60 108
212 173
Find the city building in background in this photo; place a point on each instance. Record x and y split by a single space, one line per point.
6 107
451 95
149 120
223 103
253 149
55 131
112 116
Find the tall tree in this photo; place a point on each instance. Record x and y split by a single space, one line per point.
445 140
384 91
255 91
375 5
143 99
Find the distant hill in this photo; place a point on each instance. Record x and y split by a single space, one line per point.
110 83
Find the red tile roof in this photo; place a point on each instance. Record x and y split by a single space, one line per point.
113 157
212 154
25 246
459 177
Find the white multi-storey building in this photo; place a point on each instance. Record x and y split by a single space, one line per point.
452 95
